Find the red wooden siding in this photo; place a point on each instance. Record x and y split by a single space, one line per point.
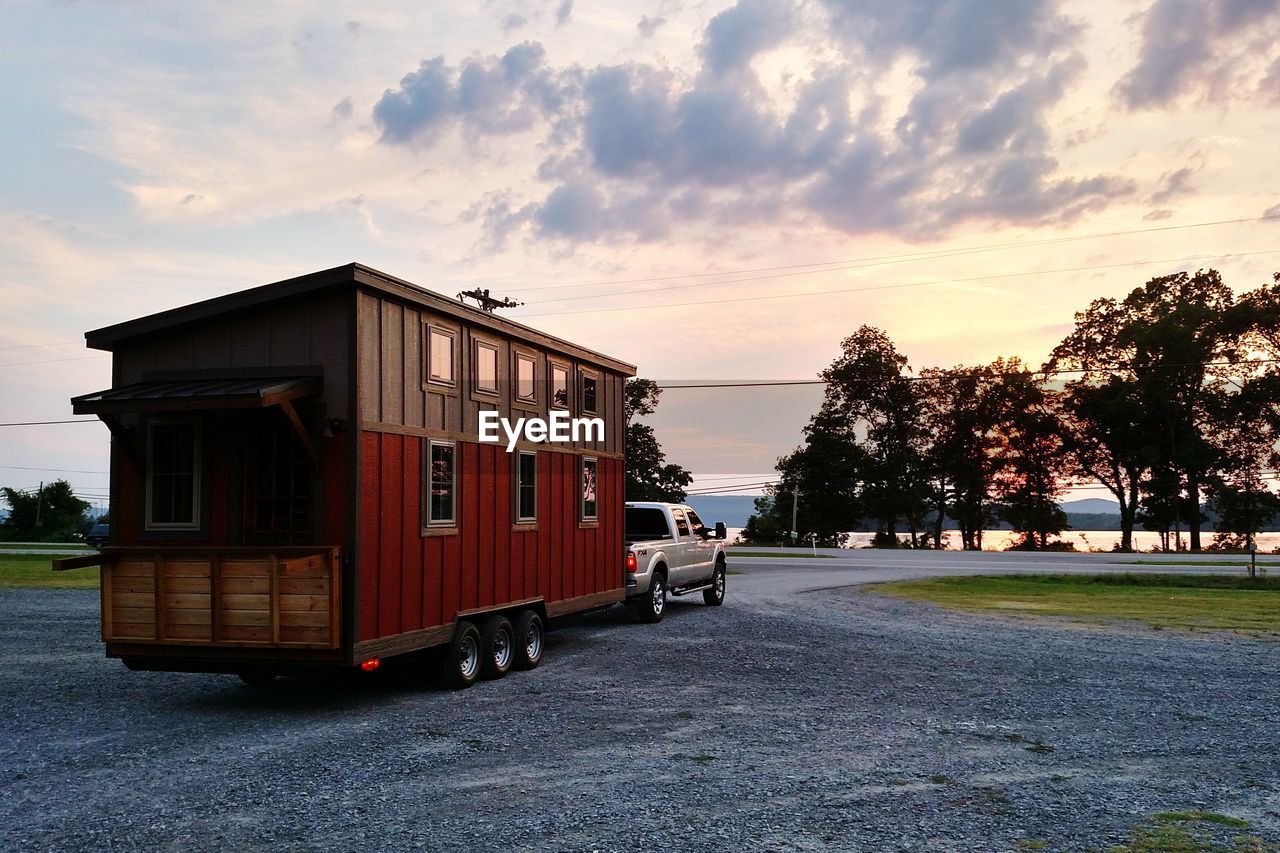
409 581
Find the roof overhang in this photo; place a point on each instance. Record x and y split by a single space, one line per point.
203 394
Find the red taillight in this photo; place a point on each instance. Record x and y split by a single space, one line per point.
371 665
631 562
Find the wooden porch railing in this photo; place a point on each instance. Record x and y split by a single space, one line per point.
259 597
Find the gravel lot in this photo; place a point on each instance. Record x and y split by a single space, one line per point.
821 720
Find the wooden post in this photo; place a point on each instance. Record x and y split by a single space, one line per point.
273 570
215 597
157 562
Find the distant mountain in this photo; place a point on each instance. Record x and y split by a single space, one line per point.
733 510
1092 506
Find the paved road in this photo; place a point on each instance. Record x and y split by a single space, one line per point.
780 575
804 714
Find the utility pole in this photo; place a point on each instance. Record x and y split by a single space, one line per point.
39 501
795 505
486 302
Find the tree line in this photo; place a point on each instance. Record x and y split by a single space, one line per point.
1168 398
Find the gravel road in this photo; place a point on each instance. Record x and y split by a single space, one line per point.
829 719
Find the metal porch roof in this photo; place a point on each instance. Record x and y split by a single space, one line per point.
170 395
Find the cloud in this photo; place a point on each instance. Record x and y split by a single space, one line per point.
563 12
1200 48
649 25
637 149
1175 185
494 96
1272 211
342 110
745 29
1158 215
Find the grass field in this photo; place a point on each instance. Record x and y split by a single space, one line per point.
1188 602
21 571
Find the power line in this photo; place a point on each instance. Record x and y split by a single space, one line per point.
39 346
913 255
885 286
55 360
53 470
45 423
938 374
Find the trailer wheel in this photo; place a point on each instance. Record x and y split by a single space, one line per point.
528 628
461 661
654 604
499 643
714 596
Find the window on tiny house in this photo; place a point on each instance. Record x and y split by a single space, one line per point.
442 484
589 382
440 355
526 486
486 369
525 367
559 386
590 489
173 475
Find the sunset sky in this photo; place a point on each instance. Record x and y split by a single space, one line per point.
669 182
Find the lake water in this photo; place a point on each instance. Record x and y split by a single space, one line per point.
1084 540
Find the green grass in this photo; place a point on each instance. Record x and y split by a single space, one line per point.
1237 564
1190 602
1202 817
1182 832
738 552
21 571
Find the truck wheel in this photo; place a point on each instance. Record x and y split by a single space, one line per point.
528 630
714 596
461 661
654 604
498 639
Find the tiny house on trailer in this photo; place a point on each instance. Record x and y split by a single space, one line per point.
297 482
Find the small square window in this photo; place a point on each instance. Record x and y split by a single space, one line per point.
441 484
525 368
440 355
589 383
590 490
526 486
559 386
486 368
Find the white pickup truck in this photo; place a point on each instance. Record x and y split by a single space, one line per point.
669 549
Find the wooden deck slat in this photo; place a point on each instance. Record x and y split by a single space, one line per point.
303 602
304 619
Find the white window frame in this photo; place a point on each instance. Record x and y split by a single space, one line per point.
429 482
452 335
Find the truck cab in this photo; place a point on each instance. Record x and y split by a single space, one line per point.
668 549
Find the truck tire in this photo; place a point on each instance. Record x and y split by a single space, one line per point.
714 596
498 640
460 664
654 603
528 628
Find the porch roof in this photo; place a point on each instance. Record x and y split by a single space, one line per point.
171 395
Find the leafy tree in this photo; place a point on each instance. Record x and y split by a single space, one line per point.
649 477
1161 351
50 514
1027 454
869 395
766 526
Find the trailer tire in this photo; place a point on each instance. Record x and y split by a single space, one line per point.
498 639
654 603
529 640
460 664
714 596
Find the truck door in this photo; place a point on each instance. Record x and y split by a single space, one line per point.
701 551
682 553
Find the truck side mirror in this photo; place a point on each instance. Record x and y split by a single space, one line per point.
722 532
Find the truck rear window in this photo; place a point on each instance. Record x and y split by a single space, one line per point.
644 523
